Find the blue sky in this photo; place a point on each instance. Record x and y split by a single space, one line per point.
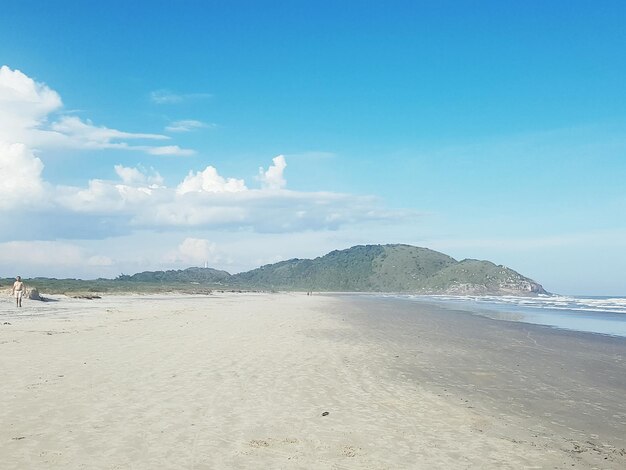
152 135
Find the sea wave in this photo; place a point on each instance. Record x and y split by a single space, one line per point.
577 304
603 315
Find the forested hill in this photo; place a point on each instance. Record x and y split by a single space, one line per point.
391 268
200 275
366 268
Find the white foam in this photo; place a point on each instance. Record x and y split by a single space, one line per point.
606 315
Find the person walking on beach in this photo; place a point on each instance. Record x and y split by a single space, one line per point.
18 291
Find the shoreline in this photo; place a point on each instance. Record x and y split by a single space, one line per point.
550 374
244 380
561 319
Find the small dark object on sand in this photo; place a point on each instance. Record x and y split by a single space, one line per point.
325 413
34 294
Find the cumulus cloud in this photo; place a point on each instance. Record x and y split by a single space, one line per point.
138 202
104 197
20 177
209 181
194 212
273 177
187 125
29 116
195 251
98 197
204 199
138 199
24 103
138 176
258 210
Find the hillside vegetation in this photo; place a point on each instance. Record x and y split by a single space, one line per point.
390 268
363 268
204 275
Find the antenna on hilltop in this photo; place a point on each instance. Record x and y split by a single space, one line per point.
206 264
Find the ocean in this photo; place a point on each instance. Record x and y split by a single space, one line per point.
602 315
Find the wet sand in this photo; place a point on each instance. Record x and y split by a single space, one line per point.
296 381
559 390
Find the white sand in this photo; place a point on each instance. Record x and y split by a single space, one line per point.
225 381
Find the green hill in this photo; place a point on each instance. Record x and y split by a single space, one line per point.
363 268
476 277
346 270
201 275
390 268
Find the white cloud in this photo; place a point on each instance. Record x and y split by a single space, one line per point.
188 212
26 109
211 182
264 211
138 176
20 177
273 178
168 97
195 251
24 103
137 199
129 175
49 254
99 196
187 125
204 199
170 150
85 135
104 197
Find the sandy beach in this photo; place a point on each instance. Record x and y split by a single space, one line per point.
294 381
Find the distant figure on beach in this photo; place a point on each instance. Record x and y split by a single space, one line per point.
18 291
